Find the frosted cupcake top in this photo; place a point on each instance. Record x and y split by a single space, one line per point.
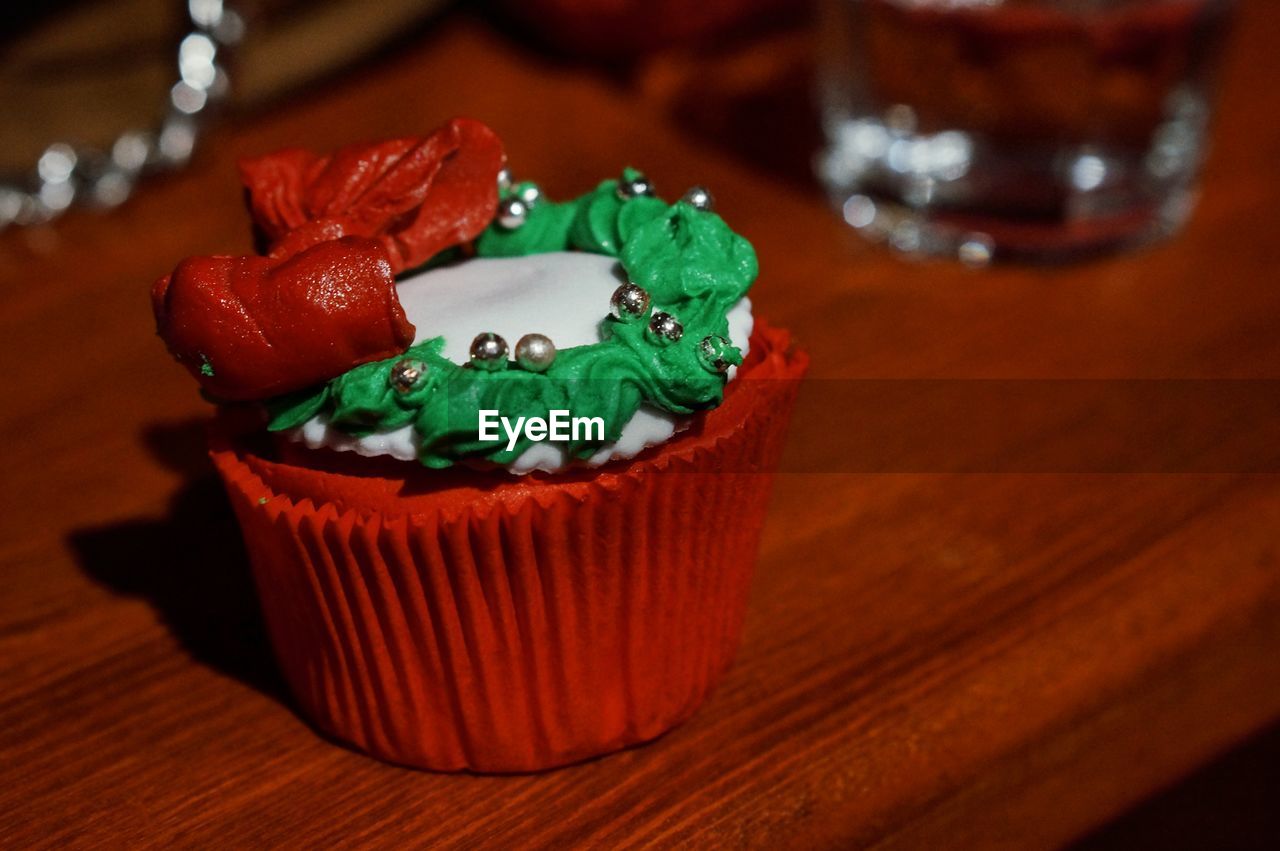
562 296
616 307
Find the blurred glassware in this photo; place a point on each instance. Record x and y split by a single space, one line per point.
104 177
1031 129
101 93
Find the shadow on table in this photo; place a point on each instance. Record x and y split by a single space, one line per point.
1231 803
190 564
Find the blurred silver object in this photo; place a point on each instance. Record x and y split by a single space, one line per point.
512 212
407 374
700 198
65 175
535 352
1036 129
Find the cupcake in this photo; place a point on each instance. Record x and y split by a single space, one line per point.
500 462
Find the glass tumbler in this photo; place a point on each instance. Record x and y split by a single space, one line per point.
1031 129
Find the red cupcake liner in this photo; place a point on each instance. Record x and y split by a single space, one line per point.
460 620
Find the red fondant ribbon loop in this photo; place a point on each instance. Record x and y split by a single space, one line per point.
417 196
253 327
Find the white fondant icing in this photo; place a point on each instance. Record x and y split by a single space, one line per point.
564 295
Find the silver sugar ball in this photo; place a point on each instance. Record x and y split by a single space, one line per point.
666 327
504 179
512 212
634 187
712 351
700 198
488 351
535 352
530 194
407 374
628 302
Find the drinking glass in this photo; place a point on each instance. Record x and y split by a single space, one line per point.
1034 129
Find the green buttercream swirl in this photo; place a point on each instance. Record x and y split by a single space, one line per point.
693 266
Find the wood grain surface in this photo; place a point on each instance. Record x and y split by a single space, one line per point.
944 659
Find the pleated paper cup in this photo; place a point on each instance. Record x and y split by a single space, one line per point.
463 620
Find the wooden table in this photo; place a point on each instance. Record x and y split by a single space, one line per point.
938 659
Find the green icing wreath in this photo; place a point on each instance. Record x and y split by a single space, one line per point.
688 261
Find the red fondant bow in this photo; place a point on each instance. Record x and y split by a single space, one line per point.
323 300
